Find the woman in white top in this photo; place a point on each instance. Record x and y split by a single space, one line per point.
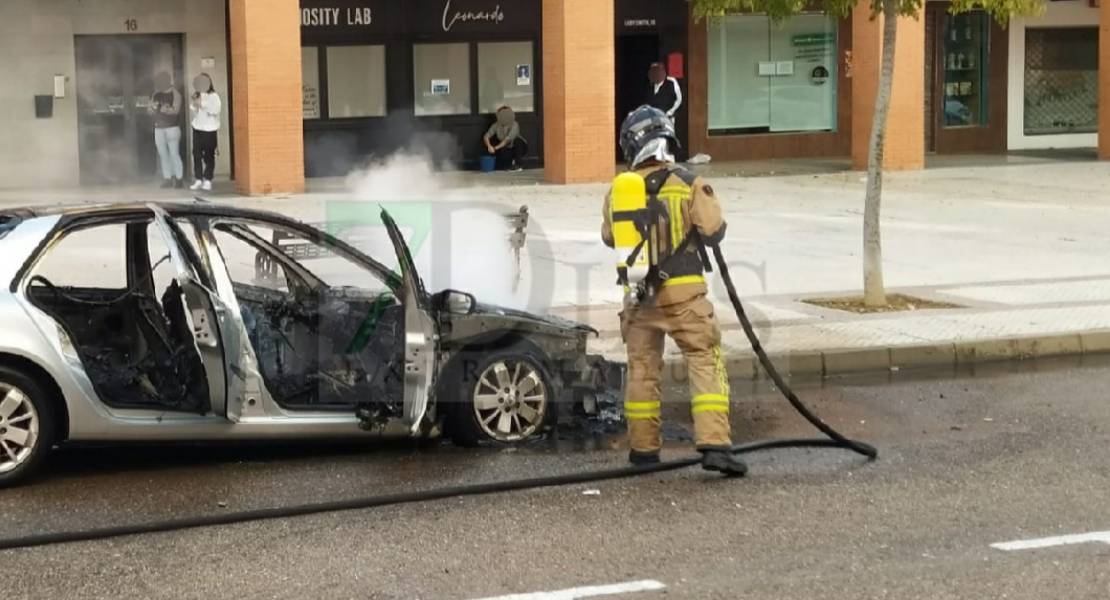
206 107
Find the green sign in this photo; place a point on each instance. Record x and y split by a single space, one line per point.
814 39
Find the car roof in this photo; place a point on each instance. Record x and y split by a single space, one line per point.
197 207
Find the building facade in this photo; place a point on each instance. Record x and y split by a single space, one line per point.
78 77
318 87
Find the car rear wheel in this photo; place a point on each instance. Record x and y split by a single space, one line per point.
505 397
26 426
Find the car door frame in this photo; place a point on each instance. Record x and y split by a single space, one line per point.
421 333
203 310
248 396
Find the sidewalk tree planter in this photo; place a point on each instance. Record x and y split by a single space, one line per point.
874 291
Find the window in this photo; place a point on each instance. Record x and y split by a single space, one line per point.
1061 80
247 264
505 77
768 77
95 257
310 83
965 73
354 77
441 79
356 81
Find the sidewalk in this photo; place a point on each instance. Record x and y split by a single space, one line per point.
999 321
1020 242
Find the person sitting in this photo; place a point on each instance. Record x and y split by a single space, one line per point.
503 140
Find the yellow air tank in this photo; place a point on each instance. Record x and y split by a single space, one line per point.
628 201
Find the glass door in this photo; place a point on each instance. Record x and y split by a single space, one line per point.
115 80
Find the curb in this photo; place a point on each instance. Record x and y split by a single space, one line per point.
844 361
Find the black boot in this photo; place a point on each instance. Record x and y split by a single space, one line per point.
643 458
724 462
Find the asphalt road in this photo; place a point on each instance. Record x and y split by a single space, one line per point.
1012 453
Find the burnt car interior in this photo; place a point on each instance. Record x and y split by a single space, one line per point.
134 340
319 346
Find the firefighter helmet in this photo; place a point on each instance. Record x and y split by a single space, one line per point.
640 131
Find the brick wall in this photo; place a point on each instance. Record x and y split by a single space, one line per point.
579 96
266 82
905 138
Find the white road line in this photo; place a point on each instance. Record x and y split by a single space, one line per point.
646 585
1059 540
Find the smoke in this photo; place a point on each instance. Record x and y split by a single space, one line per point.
457 242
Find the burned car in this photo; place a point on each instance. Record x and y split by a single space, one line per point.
187 322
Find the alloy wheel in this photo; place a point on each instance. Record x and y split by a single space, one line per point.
510 400
19 427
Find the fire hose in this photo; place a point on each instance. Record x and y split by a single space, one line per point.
833 440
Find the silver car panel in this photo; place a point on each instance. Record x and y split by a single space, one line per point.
29 333
201 313
420 334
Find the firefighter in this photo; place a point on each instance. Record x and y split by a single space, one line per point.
656 217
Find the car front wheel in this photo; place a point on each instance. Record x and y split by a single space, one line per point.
506 397
26 426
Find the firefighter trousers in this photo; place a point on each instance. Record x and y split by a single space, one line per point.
693 326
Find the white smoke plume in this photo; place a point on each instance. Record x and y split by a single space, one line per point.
467 246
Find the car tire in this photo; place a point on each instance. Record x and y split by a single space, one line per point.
505 397
27 426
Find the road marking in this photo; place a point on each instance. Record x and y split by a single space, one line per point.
1059 540
646 585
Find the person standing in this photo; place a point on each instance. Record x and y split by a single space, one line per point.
680 213
165 106
665 93
206 107
504 141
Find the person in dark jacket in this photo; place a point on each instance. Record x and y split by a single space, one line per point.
165 106
664 93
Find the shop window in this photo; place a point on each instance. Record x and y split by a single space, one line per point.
310 82
441 79
772 77
505 77
1061 80
356 81
965 73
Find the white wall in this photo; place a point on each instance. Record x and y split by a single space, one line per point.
1057 14
36 43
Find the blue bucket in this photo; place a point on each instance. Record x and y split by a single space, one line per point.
488 164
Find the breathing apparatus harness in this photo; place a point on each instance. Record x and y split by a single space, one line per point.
641 226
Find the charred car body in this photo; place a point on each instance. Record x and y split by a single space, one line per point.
152 322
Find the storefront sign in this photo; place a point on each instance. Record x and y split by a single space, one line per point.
814 39
451 16
336 17
639 23
435 18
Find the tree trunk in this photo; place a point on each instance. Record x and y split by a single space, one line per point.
874 292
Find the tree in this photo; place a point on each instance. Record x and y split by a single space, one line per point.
874 291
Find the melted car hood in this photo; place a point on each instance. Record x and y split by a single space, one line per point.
512 314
